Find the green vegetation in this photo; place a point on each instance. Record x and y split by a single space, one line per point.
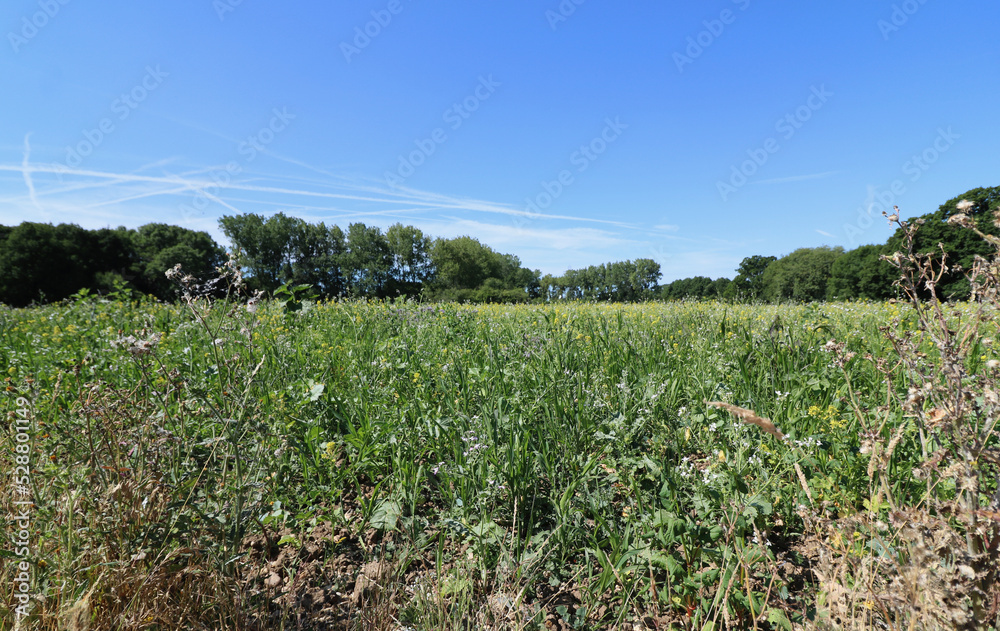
817 274
232 460
41 263
623 281
367 465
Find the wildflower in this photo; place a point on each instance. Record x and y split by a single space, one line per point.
136 346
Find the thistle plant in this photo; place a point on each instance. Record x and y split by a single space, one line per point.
926 554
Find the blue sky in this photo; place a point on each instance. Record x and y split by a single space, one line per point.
568 133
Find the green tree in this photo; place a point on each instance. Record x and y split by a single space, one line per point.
465 269
411 259
720 287
368 261
621 281
158 247
317 253
41 262
644 276
695 287
802 275
461 263
861 274
281 250
264 247
749 281
960 245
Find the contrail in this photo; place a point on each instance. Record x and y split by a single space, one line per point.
406 196
26 171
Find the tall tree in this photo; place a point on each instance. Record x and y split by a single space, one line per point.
645 277
465 269
411 259
367 262
749 281
42 262
264 246
861 274
317 253
461 263
960 245
158 247
802 275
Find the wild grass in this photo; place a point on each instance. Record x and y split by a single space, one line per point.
367 465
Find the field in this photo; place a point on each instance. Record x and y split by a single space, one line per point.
373 465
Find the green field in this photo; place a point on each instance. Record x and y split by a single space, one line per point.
373 465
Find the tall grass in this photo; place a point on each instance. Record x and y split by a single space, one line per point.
368 465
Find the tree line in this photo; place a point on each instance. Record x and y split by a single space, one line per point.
365 262
44 263
622 281
41 262
831 273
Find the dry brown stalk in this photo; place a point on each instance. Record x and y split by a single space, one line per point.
749 417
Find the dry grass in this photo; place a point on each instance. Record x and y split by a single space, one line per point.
749 417
931 561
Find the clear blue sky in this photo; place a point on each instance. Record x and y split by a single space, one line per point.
123 113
